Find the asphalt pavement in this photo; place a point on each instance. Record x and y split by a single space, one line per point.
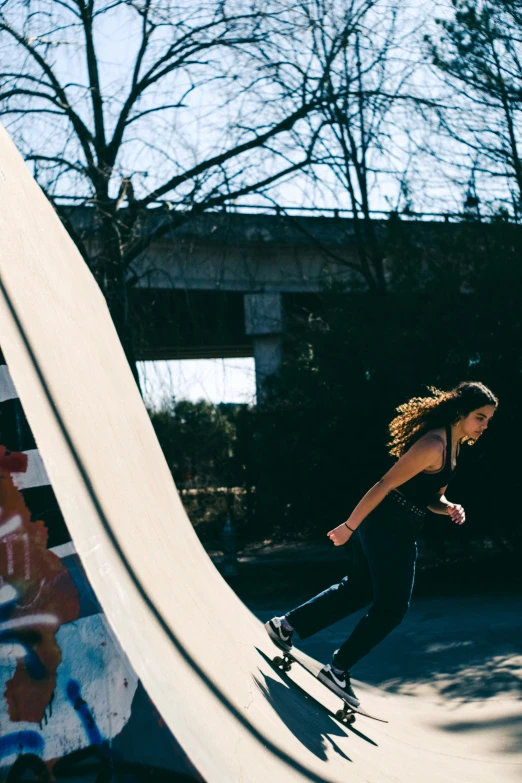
462 648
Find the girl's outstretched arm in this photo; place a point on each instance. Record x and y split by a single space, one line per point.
425 453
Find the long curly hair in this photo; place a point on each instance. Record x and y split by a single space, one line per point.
421 414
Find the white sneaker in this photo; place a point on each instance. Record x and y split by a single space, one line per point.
280 637
339 684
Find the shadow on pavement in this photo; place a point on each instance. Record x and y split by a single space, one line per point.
314 729
453 648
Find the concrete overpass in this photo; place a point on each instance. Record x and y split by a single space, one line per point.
221 284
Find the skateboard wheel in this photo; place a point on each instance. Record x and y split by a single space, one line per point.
278 661
340 715
287 667
351 718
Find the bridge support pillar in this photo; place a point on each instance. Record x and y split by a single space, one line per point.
264 323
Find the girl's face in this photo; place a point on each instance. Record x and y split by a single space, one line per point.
475 423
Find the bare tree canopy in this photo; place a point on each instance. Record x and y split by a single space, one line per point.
124 103
363 143
477 52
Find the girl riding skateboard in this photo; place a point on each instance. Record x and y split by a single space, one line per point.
426 436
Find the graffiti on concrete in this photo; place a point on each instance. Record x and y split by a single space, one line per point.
93 694
21 742
65 682
73 690
37 596
68 694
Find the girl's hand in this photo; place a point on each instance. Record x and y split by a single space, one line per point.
457 513
339 535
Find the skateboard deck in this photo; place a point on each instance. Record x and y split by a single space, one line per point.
285 662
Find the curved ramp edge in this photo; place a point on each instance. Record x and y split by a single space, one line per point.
202 656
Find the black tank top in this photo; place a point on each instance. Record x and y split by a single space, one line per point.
424 488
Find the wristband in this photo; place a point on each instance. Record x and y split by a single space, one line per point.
349 528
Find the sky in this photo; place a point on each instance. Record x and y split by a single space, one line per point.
213 380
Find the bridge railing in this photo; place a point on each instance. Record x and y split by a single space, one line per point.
328 212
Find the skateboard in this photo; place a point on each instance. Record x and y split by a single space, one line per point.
285 662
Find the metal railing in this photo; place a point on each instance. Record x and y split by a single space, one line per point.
268 209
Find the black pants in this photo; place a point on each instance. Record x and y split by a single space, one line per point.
387 539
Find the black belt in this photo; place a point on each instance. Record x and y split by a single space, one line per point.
407 504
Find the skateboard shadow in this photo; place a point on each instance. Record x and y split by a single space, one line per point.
313 734
316 731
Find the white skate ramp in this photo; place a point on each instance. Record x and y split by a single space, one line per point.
200 653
